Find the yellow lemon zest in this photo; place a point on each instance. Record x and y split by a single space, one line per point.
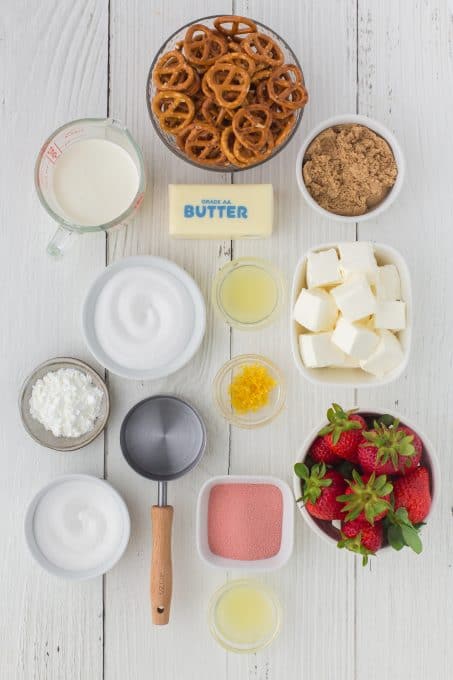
250 389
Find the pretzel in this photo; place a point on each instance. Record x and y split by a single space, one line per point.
225 95
263 48
198 100
195 87
240 59
278 111
174 110
215 114
229 83
251 125
285 87
249 156
203 145
232 25
182 137
202 46
227 140
206 89
234 47
172 72
281 128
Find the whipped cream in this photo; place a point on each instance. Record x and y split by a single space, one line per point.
144 318
78 524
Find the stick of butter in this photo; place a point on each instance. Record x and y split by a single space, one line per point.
221 211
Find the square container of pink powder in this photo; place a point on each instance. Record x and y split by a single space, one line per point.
245 522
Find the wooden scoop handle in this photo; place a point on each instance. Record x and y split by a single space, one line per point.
161 569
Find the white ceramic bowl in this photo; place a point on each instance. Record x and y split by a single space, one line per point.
88 315
381 130
77 575
328 531
268 564
354 377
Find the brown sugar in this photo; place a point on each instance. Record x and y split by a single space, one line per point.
349 169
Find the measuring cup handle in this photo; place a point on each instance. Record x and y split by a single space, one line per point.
161 568
57 244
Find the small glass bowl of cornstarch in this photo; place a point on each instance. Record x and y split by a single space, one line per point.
64 404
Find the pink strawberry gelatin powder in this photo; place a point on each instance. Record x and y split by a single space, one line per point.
245 521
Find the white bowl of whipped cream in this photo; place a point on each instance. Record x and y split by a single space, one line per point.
144 318
77 527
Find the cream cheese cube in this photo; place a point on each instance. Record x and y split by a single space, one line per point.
388 283
387 355
315 309
348 362
323 269
358 257
318 351
390 314
354 298
354 339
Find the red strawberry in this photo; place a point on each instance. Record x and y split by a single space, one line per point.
412 492
367 498
321 452
320 489
389 449
343 434
361 537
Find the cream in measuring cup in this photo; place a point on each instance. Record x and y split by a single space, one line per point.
89 177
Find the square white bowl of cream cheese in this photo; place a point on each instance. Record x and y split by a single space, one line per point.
352 376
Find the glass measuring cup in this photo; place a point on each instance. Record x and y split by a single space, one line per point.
60 142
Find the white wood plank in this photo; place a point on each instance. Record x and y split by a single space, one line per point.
133 646
404 602
54 68
316 587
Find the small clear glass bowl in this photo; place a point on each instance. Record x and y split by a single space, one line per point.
232 645
37 431
251 419
170 140
231 267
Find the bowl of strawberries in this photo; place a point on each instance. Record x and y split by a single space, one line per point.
367 480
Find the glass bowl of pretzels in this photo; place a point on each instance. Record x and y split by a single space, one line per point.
225 93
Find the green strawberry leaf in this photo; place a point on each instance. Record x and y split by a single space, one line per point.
336 437
411 538
387 420
357 478
395 538
355 545
301 471
403 531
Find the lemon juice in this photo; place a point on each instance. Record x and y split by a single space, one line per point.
245 616
249 294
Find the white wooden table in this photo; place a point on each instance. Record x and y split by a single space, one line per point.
74 58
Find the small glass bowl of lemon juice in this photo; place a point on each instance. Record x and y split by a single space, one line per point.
244 616
248 293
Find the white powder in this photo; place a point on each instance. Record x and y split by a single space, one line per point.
66 402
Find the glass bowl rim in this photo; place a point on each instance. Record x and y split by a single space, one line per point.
229 168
